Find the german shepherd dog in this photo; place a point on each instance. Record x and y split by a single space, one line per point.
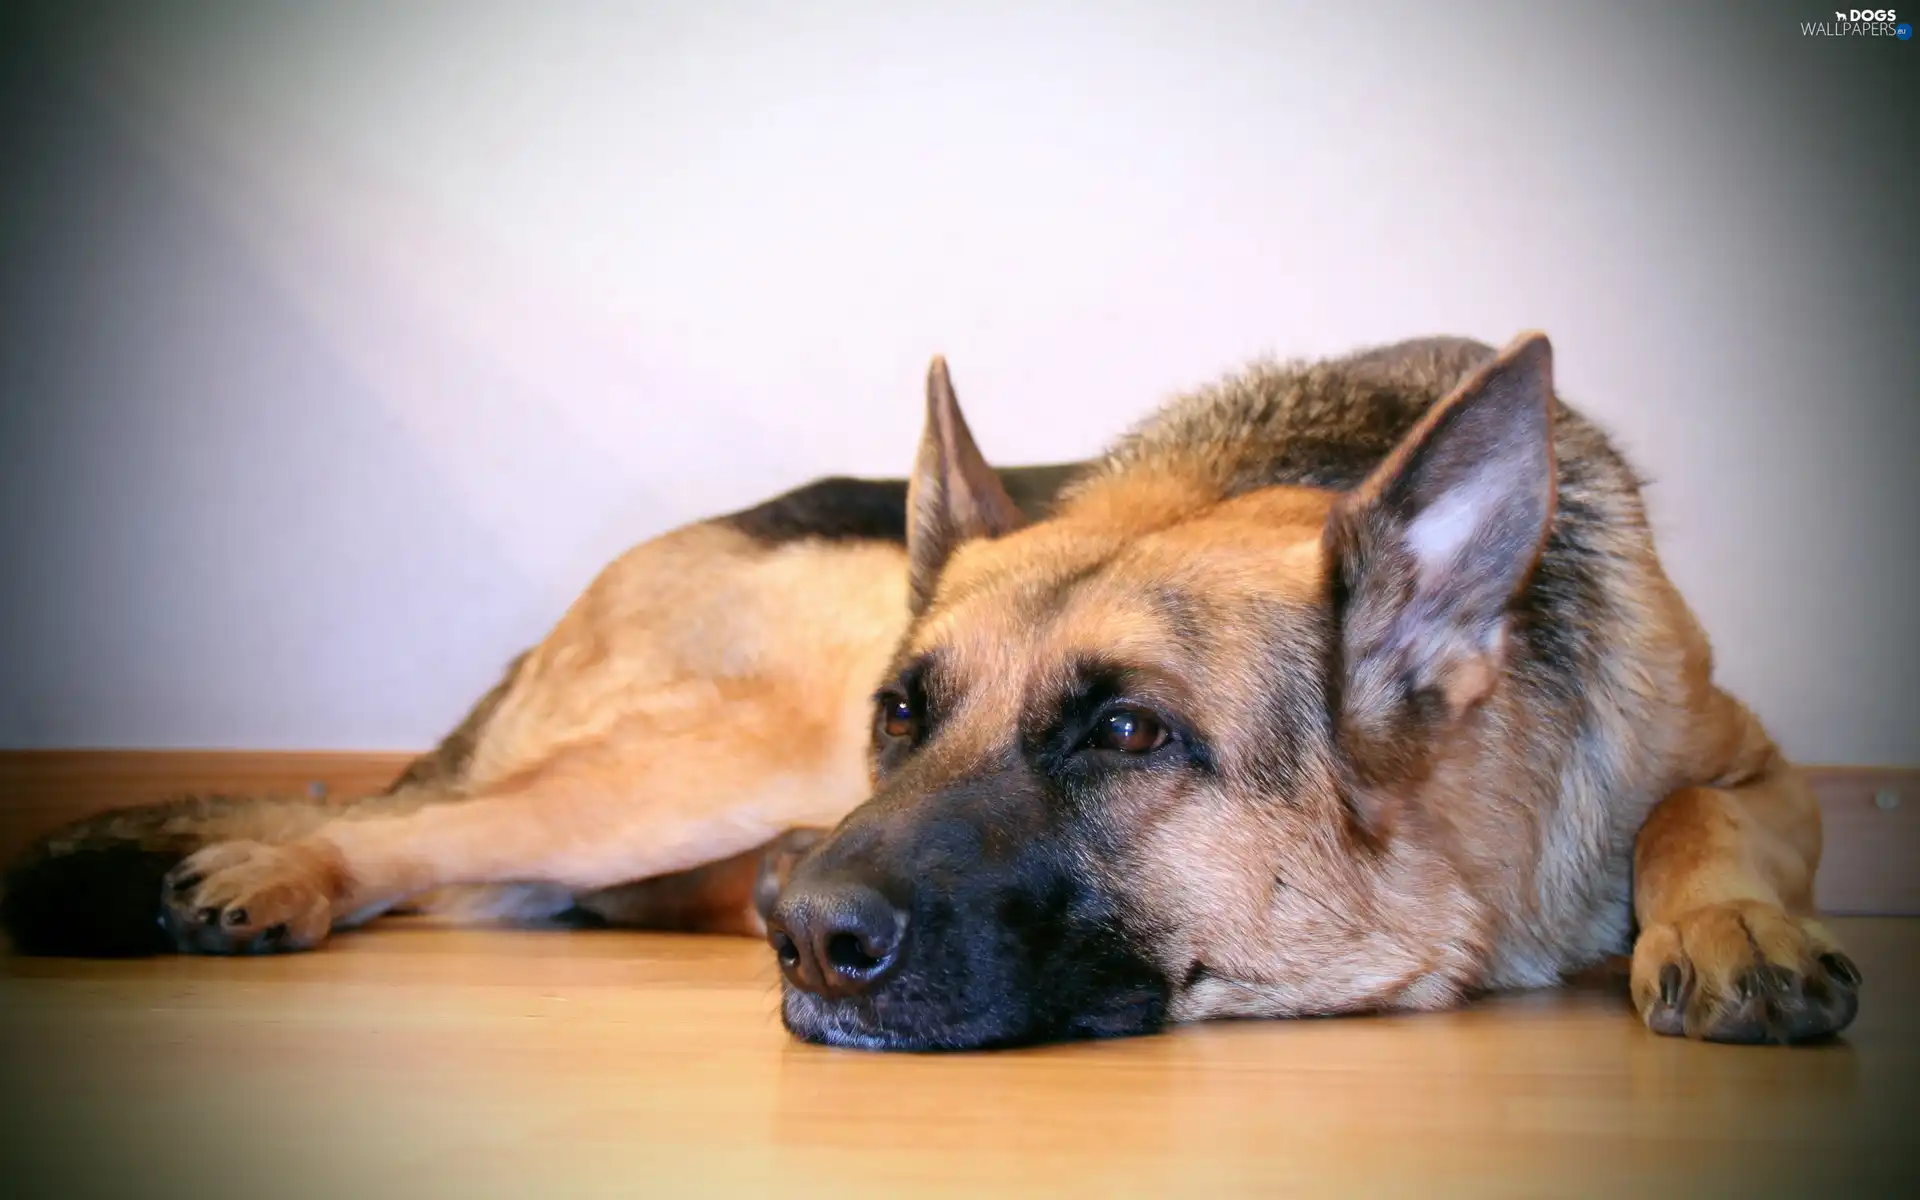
1335 687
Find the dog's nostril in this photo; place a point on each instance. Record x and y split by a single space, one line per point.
853 953
836 938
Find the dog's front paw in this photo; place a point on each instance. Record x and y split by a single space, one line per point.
251 898
1743 972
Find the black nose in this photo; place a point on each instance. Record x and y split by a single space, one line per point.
835 938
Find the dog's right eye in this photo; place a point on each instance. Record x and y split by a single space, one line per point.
1129 731
896 717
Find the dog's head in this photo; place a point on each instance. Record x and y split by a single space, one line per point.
1174 753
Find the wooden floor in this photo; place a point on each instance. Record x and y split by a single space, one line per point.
413 1061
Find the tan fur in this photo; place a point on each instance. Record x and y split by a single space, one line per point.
1724 871
704 696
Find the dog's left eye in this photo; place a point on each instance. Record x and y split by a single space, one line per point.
1129 731
896 716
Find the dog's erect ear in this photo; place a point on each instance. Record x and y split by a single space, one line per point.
953 495
1425 558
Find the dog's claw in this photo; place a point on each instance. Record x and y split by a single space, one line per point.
1841 968
248 898
1670 985
1742 972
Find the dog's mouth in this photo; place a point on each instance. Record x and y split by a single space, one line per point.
885 1021
868 1023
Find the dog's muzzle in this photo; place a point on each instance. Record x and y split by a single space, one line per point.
917 951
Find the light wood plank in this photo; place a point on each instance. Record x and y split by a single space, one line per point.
417 1062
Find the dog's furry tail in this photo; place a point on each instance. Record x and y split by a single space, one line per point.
92 889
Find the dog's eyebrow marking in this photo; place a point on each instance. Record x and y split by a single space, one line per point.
1185 616
913 672
1052 594
1091 680
1085 682
921 680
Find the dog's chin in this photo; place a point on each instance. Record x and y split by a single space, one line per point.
863 1023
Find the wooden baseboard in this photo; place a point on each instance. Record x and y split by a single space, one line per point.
1871 818
1871 814
41 789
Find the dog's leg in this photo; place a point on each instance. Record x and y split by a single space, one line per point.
652 803
1723 892
704 696
733 895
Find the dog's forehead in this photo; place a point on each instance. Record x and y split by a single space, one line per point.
1073 589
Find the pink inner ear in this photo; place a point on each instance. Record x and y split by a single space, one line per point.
1439 533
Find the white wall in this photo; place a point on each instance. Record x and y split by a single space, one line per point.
343 342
